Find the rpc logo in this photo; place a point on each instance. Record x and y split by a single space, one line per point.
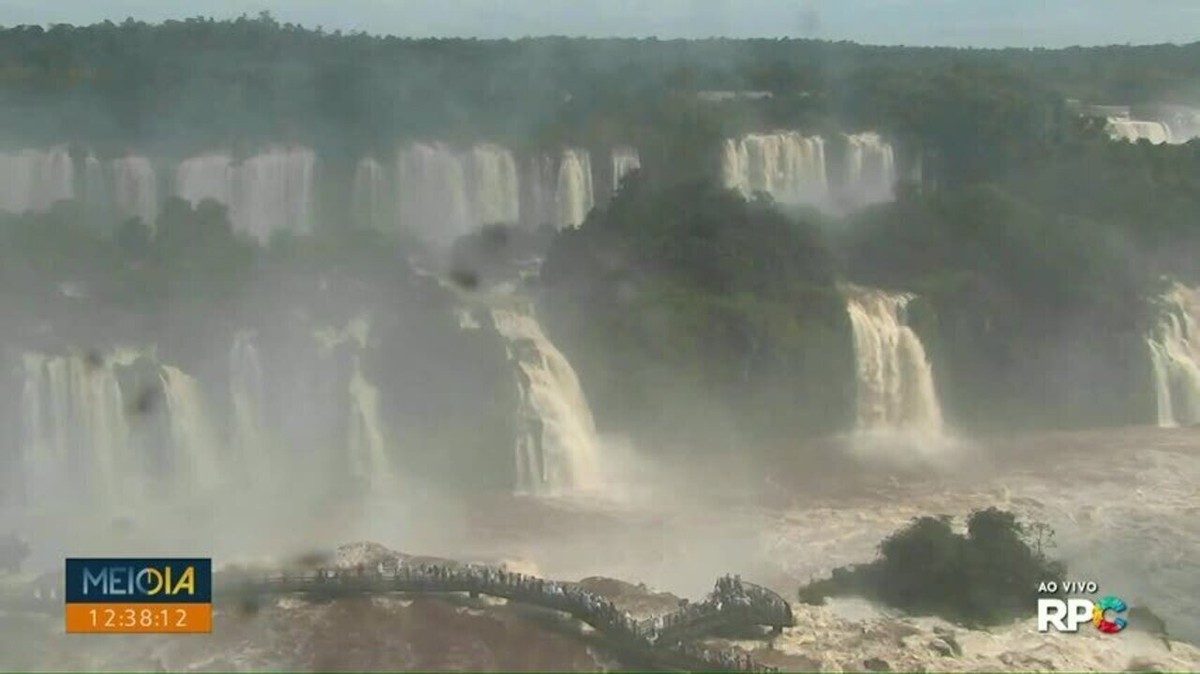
1066 615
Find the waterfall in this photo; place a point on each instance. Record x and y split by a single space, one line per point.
32 180
624 160
135 190
248 394
1175 357
368 195
266 193
75 435
195 461
537 199
574 196
273 192
1134 130
442 195
365 445
557 444
895 380
787 165
870 169
494 185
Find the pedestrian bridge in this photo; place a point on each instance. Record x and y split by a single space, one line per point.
666 640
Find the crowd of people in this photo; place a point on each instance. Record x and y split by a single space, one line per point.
730 594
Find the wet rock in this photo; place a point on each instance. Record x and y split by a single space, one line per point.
877 665
943 647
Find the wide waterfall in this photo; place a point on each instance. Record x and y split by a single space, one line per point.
870 169
787 165
557 446
135 189
895 379
624 160
369 196
442 194
1134 130
75 434
574 195
1175 356
32 180
269 192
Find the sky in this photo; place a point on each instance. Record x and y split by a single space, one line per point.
964 23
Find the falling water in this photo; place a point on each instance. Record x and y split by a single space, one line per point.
1134 130
1175 357
365 444
32 180
432 193
573 194
557 447
624 160
247 393
135 190
75 433
494 185
870 169
266 193
787 165
194 440
368 195
895 379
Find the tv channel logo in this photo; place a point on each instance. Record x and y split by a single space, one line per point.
1066 615
129 595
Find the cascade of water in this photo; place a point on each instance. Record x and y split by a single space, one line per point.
574 195
537 201
432 193
75 433
870 170
135 189
557 447
1175 357
1134 130
787 165
247 393
269 192
624 160
365 444
494 185
368 195
32 180
196 466
895 379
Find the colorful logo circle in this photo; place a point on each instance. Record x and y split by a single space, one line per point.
1100 615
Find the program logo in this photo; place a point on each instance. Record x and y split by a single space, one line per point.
123 595
1067 615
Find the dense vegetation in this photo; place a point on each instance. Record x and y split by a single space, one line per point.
988 576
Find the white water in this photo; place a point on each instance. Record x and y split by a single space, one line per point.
248 394
557 452
574 196
368 196
895 379
269 192
135 189
32 180
870 169
365 444
624 160
1175 356
195 458
787 165
75 435
442 195
1134 130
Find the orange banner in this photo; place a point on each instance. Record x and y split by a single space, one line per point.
139 618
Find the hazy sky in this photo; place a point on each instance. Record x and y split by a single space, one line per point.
990 23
